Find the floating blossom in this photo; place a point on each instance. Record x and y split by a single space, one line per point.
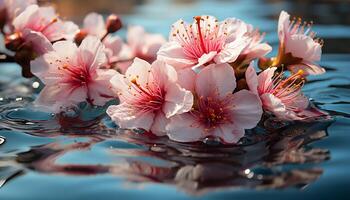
298 49
72 75
149 95
205 41
280 96
216 111
39 26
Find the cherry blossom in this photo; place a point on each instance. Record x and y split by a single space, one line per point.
299 48
217 112
148 95
205 41
12 8
73 74
142 44
40 26
280 96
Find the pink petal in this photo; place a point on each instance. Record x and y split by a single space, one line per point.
159 124
246 111
182 128
95 25
135 36
153 42
265 80
129 118
276 106
162 73
92 53
40 43
216 80
233 27
113 46
177 100
204 59
252 78
139 69
303 46
231 51
283 25
25 18
100 90
258 51
229 133
186 79
173 54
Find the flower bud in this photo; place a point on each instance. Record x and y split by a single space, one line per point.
113 23
265 63
13 41
79 37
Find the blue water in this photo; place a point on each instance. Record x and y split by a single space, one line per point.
42 159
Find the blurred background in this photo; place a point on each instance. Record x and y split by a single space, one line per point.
331 17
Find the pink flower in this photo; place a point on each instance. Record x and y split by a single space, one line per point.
216 111
72 75
12 8
142 44
280 96
299 49
203 42
149 95
40 26
116 49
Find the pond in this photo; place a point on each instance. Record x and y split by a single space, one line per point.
41 158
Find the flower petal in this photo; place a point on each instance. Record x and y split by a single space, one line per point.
127 117
177 100
216 80
182 128
252 78
173 54
246 111
159 124
95 25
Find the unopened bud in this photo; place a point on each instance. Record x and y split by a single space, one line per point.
113 23
80 36
14 41
265 63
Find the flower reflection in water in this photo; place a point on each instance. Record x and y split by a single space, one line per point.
259 161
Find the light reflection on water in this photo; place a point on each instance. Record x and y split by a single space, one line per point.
41 159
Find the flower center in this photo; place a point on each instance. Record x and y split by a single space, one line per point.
147 98
289 89
78 76
212 112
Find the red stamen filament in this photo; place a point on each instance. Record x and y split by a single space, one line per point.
201 40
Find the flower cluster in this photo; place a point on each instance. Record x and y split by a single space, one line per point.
200 83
